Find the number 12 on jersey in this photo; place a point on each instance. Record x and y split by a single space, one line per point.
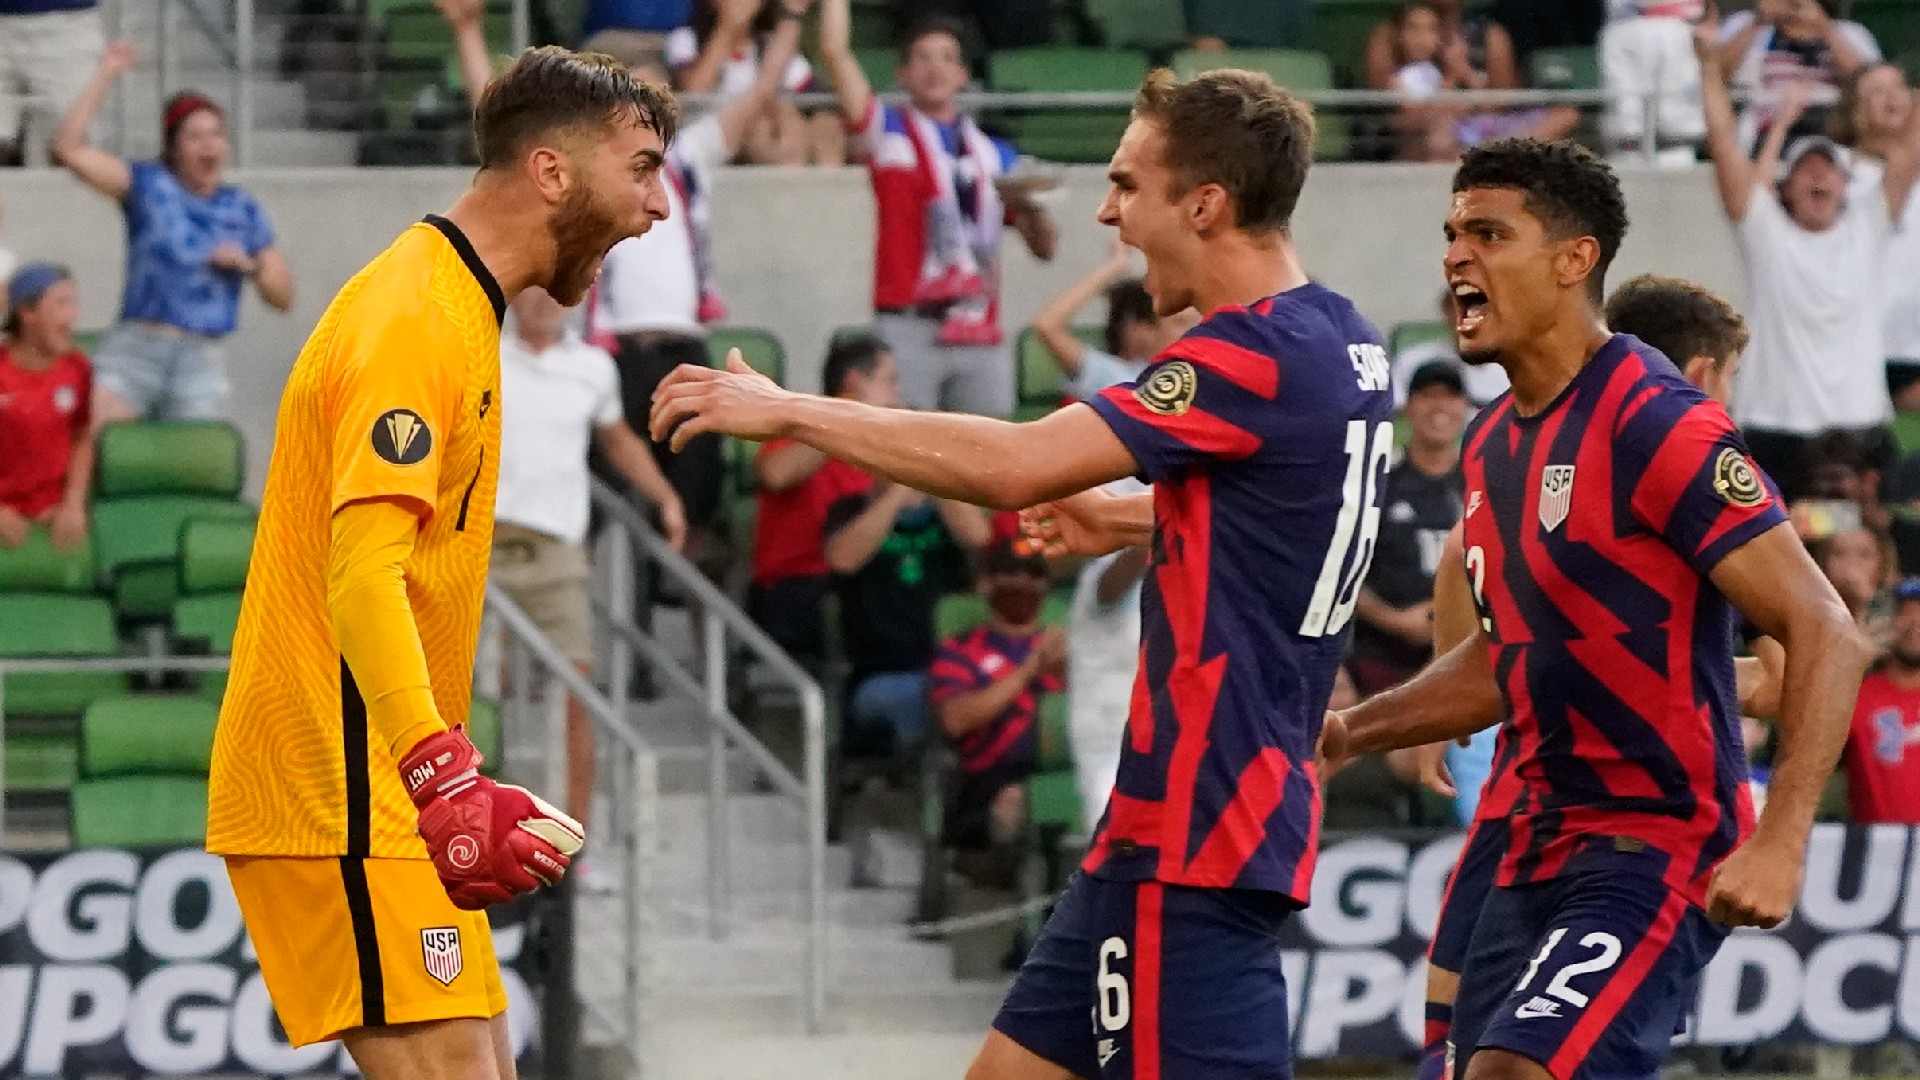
1337 590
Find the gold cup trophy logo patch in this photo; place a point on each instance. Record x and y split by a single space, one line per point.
1735 480
400 437
1170 390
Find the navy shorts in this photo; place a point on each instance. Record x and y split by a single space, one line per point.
1136 980
1589 974
1467 890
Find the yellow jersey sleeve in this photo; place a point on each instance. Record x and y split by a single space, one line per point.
397 383
374 622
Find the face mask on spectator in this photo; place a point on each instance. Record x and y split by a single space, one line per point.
1016 604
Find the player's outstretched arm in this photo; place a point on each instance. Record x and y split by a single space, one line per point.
489 842
1774 582
1731 169
973 459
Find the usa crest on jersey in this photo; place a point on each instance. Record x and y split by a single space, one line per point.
1556 495
440 947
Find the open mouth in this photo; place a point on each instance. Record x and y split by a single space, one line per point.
1470 308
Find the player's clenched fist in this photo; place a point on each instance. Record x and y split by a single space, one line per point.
490 842
1755 886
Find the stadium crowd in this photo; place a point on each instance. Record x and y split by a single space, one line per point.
866 581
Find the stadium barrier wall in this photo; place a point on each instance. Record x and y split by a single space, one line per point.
794 248
117 961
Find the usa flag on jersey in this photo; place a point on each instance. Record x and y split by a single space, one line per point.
1265 432
1612 648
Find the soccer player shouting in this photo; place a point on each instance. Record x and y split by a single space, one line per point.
1265 432
1615 525
359 834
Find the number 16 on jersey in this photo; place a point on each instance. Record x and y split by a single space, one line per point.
1337 590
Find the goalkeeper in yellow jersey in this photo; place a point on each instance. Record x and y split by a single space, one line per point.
360 837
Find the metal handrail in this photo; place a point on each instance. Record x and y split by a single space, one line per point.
236 51
724 617
634 772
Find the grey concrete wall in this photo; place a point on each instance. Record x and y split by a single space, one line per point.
794 248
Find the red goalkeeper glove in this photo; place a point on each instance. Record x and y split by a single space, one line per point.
490 842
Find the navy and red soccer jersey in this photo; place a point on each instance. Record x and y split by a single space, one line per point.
1265 432
1590 530
974 660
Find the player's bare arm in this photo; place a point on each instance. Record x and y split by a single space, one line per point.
1757 679
1454 696
1774 582
1092 523
973 459
1454 621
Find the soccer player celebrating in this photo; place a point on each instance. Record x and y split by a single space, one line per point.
360 837
1677 319
1615 525
1265 432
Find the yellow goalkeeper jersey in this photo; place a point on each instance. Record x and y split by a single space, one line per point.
395 396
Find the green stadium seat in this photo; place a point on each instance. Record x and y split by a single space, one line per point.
35 566
1154 26
1909 62
761 349
1041 383
1056 748
53 625
483 729
878 63
1075 136
1906 431
213 554
960 612
1408 334
198 457
1054 799
87 341
417 31
41 761
1299 70
139 811
140 734
137 544
1571 68
1895 24
1340 29
203 625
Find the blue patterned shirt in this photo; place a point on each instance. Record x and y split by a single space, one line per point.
170 233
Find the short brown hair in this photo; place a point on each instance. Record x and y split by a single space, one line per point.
549 89
1681 319
1238 129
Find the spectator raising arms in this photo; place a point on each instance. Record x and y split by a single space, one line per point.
193 240
1135 332
722 52
1883 747
1815 261
46 437
944 190
797 485
1473 53
1781 43
1871 120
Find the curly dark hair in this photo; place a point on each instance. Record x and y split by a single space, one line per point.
1681 319
1570 189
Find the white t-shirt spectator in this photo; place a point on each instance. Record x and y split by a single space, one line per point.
649 282
1817 357
1100 369
1900 280
559 397
738 73
1769 67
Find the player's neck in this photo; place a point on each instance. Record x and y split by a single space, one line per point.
513 243
1541 368
1240 270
